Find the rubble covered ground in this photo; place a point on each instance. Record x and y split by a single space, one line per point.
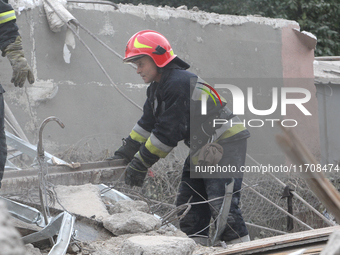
119 227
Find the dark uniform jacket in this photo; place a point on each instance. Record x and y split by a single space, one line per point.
8 26
166 115
8 34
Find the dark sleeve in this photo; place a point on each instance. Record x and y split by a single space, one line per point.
147 121
8 28
174 122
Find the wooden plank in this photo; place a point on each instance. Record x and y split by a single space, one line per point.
309 251
62 169
314 250
16 182
319 184
281 241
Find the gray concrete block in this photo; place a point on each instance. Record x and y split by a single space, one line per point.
131 222
31 250
165 245
10 241
128 206
83 200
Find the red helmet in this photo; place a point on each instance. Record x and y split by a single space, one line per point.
151 43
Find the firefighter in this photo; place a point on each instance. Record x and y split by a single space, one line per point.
11 47
172 98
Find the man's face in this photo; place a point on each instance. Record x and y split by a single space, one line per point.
147 69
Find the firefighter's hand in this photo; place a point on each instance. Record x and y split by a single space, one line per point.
21 69
135 173
127 150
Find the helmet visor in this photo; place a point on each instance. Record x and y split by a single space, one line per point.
133 58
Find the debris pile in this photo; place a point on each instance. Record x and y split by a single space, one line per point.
10 242
129 226
158 245
131 222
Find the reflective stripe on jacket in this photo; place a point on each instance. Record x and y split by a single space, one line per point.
7 16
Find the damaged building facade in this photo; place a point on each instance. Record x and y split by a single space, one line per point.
81 79
249 51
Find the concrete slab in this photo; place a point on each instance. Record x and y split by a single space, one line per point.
131 222
149 245
82 200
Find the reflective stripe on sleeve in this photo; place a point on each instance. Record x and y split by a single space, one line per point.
139 134
156 147
231 131
137 155
7 16
227 130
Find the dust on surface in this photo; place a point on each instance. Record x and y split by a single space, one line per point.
83 200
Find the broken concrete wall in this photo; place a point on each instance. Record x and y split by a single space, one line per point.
254 51
327 84
328 98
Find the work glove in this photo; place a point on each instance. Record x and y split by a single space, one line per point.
127 150
21 70
135 173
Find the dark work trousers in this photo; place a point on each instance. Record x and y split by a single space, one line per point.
201 189
3 146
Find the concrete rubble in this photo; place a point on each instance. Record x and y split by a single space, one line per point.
128 206
128 217
131 222
83 200
31 250
133 229
10 243
115 245
148 245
